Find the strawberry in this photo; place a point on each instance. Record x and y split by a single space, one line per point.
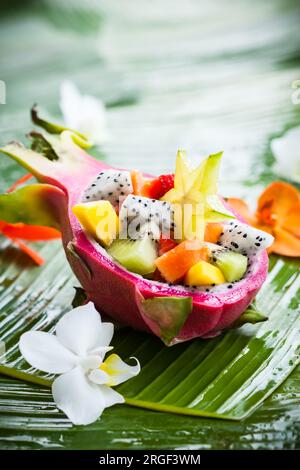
167 183
165 244
156 188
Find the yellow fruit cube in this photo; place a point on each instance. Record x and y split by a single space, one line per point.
99 219
203 273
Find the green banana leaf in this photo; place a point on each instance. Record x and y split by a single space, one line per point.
235 98
226 377
36 297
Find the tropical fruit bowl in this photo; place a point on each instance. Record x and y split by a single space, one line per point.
162 254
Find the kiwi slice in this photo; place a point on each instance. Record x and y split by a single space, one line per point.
233 265
137 256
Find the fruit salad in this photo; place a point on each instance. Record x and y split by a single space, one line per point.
172 228
163 254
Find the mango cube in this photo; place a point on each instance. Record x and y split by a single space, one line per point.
203 273
99 219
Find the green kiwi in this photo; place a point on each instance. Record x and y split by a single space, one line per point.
137 256
233 265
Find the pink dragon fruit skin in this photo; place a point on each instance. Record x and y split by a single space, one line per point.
115 291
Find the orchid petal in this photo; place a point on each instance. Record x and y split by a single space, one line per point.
90 362
118 370
104 338
111 396
82 401
83 112
99 377
70 104
286 150
80 330
44 351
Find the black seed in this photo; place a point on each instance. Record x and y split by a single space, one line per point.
122 193
119 174
93 184
88 197
110 194
257 244
139 200
213 285
235 226
164 203
145 204
115 180
239 233
108 178
245 235
121 185
230 230
128 184
235 245
206 290
222 233
257 238
230 286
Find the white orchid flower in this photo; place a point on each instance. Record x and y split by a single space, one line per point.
83 113
286 150
76 351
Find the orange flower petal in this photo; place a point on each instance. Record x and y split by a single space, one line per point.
30 232
29 251
279 198
241 207
291 222
20 181
285 243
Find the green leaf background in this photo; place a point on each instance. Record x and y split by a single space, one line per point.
204 78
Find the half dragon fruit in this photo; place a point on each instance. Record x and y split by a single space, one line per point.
68 175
